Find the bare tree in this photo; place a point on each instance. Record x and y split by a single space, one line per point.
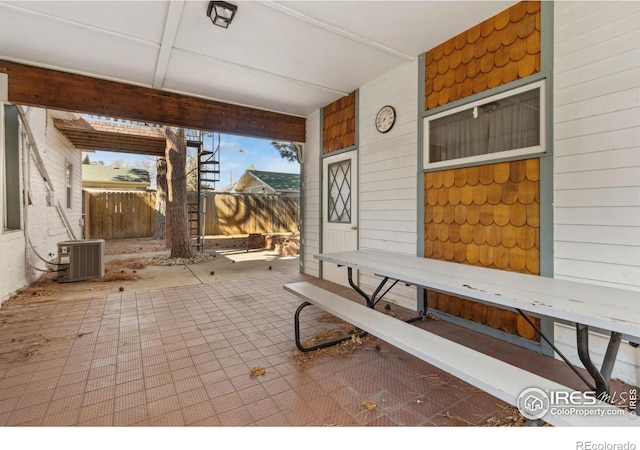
161 197
176 155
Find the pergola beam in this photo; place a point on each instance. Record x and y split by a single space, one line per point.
34 86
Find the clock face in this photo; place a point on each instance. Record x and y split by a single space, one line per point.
385 118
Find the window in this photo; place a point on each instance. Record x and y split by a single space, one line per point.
504 125
11 168
339 192
69 182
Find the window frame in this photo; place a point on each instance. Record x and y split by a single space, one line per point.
489 157
11 187
68 181
347 206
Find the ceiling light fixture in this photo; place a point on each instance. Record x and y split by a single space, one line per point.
221 13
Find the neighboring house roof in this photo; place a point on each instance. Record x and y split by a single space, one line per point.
255 180
112 177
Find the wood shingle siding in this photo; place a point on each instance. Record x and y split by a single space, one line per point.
488 216
499 50
339 124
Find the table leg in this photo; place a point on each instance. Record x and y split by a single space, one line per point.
555 349
367 298
601 377
371 301
375 297
296 326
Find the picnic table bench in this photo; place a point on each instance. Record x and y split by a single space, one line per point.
607 309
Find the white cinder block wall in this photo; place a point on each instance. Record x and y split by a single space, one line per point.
597 156
42 226
388 172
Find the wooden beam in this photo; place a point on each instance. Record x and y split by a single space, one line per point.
87 134
53 89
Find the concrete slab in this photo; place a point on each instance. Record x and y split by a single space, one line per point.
231 264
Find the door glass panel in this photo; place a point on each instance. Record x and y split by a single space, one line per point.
339 189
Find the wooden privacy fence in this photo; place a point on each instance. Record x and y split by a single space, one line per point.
118 215
227 214
124 215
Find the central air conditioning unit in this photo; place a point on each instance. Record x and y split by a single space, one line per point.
80 260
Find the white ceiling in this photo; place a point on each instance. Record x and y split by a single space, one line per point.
287 56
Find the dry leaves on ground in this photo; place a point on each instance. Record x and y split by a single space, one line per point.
369 404
164 260
37 292
18 349
508 416
345 348
257 371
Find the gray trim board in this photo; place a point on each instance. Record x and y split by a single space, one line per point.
546 165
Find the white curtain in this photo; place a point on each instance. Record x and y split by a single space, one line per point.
506 124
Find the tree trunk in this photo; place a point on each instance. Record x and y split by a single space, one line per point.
161 197
176 154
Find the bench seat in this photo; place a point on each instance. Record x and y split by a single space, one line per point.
489 374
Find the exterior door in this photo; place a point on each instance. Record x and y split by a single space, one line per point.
340 211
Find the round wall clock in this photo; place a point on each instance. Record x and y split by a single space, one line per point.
385 118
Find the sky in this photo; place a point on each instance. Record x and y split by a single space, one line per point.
236 155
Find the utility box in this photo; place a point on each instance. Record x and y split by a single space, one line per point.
80 260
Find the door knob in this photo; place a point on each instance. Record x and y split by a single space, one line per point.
354 227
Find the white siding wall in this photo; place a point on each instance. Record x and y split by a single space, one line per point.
41 223
388 171
597 155
311 199
12 243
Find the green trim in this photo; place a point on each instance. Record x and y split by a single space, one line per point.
320 187
357 150
338 152
419 145
420 294
301 221
546 164
493 332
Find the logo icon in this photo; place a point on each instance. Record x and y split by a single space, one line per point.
533 403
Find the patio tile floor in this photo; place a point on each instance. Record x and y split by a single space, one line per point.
183 357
